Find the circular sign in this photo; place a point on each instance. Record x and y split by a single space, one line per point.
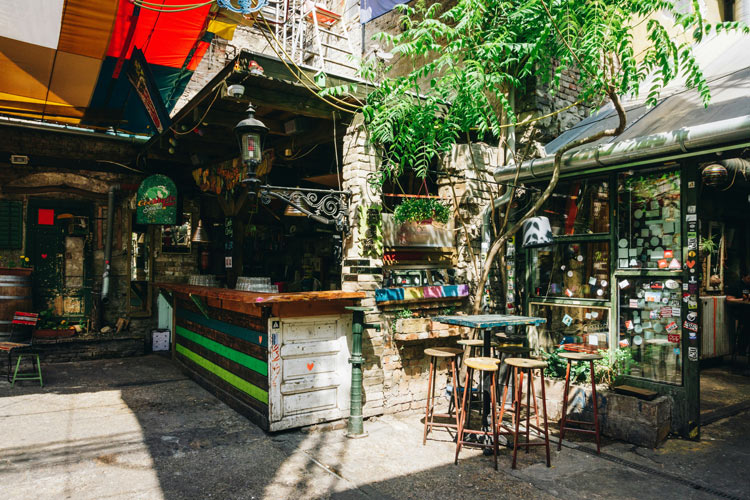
570 274
623 243
638 214
600 292
637 340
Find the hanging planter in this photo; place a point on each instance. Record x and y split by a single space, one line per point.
422 211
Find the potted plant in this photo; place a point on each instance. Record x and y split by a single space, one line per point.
15 267
50 327
422 211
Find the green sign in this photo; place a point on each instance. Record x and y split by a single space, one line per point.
156 201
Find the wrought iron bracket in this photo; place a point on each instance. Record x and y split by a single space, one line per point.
326 206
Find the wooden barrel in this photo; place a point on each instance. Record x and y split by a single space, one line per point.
15 295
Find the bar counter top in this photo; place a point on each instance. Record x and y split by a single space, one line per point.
259 298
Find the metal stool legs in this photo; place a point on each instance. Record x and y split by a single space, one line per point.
516 411
34 375
564 421
466 408
430 406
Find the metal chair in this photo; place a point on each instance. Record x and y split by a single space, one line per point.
20 342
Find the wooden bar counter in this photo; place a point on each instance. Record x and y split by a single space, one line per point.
281 359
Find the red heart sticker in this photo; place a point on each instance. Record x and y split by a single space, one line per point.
690 263
44 255
310 366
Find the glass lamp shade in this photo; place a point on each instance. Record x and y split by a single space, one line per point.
251 150
250 133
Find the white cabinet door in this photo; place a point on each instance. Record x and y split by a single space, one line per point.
309 373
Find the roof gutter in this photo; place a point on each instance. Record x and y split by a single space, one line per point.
684 140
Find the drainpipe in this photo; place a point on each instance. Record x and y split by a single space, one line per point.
639 149
108 241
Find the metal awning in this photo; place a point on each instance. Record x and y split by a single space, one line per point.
678 125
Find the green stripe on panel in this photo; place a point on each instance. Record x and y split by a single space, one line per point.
229 377
258 338
238 357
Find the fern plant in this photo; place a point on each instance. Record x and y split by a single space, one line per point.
422 209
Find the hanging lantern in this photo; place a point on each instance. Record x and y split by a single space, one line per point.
715 175
250 134
537 232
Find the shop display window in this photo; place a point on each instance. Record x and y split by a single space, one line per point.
573 270
579 328
578 207
649 221
650 326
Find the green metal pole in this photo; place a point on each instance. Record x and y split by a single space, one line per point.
355 427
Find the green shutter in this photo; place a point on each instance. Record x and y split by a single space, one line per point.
11 224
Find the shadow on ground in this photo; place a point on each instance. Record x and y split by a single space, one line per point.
138 428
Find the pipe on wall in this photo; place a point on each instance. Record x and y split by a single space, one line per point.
650 147
108 242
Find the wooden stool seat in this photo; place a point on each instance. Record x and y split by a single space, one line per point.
581 356
525 363
476 343
451 355
513 349
482 363
443 352
7 346
488 366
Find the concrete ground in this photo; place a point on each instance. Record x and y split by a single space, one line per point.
138 428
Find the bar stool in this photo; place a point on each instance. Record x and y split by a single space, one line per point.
476 346
564 421
485 366
435 353
520 367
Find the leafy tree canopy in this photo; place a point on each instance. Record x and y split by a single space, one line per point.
465 59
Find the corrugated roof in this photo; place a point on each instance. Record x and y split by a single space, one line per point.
726 66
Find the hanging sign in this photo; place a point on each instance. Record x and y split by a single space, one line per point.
142 81
156 202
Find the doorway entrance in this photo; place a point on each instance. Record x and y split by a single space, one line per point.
59 243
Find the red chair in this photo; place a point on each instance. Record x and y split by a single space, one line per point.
20 342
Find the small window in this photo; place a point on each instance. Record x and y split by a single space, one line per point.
578 207
572 270
11 224
650 222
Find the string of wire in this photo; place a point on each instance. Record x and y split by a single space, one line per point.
161 7
299 70
216 95
311 90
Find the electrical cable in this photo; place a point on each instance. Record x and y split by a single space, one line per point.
336 150
281 46
145 5
312 91
176 132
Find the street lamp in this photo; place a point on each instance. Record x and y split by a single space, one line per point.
325 206
250 134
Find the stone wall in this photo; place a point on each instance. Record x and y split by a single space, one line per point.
84 348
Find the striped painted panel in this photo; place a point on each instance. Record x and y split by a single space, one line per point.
238 357
230 378
256 337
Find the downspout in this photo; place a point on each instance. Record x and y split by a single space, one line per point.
108 241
